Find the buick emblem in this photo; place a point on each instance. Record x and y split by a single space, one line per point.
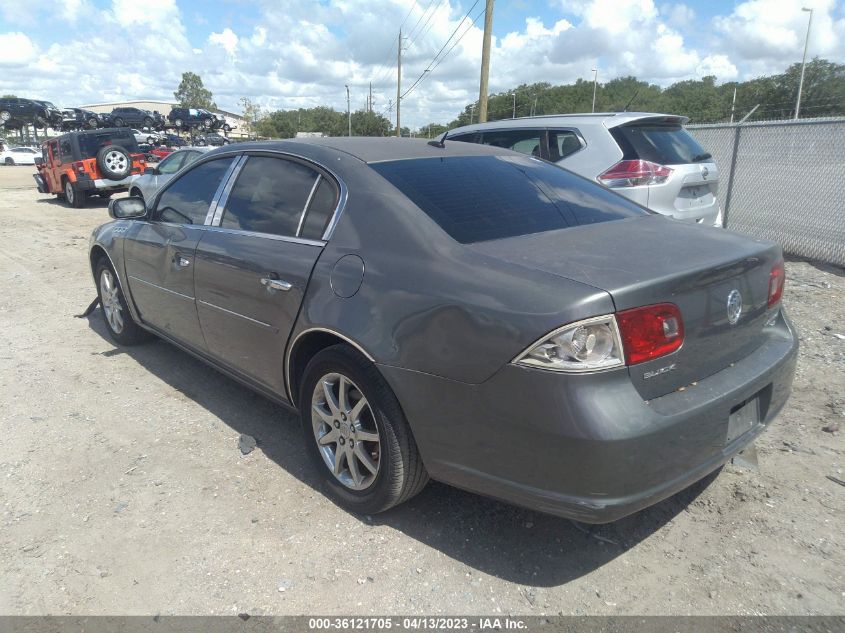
734 306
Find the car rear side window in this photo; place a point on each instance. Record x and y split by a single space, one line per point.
66 149
522 141
320 210
187 199
562 143
172 163
480 198
658 143
269 196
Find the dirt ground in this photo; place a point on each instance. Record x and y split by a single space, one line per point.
123 490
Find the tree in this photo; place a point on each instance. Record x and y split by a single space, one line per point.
9 97
252 113
192 94
365 123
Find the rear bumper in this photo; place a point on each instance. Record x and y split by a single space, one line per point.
588 447
103 184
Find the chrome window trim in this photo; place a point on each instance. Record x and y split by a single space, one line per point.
291 347
222 189
307 204
237 314
269 236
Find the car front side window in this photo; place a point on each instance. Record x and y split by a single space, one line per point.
269 196
187 199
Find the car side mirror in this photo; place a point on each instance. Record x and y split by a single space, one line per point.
39 160
150 171
127 208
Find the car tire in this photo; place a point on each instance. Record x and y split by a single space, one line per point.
178 123
74 196
114 161
92 123
148 122
119 322
227 127
5 116
118 122
9 161
379 437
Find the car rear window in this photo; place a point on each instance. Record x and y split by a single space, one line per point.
481 198
90 144
659 143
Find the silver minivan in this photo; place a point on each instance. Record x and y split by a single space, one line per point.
648 158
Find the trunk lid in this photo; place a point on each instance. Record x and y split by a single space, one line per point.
647 260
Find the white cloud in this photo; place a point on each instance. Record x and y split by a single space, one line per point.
17 49
301 53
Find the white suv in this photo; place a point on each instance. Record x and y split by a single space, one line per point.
648 158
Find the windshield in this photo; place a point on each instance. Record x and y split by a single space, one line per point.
479 198
90 144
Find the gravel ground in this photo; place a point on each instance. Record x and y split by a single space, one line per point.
124 491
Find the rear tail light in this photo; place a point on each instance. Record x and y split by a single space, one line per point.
650 332
777 279
80 167
633 173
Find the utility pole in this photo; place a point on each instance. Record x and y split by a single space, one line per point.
595 84
733 105
348 111
370 100
398 83
513 116
471 112
803 61
534 107
485 62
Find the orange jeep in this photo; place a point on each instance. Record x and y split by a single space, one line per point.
92 162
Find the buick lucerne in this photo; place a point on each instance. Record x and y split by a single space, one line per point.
461 312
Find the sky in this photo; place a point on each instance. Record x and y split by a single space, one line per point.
285 54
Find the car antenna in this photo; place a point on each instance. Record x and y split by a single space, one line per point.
441 143
636 92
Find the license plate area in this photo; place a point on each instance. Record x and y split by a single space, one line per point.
743 417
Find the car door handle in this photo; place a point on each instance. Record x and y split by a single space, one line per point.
181 261
276 284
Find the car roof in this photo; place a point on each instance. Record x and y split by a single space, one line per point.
606 119
375 149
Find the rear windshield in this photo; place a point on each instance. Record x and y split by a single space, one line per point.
663 144
480 198
90 144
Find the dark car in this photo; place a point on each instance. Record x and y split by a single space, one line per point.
187 118
173 140
460 312
15 112
79 119
135 117
76 165
215 140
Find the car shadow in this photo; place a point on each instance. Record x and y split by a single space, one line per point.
93 202
508 542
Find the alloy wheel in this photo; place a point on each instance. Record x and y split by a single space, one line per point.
111 301
69 193
346 432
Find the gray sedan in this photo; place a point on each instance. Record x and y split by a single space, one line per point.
460 312
145 185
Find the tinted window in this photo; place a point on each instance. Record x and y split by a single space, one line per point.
320 210
91 143
186 201
562 143
523 141
478 198
66 149
663 144
172 163
269 196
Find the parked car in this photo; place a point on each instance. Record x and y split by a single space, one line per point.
145 185
187 118
212 139
460 312
18 156
146 137
92 162
648 158
160 152
79 119
136 117
173 140
15 112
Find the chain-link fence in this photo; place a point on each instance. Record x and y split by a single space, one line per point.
782 181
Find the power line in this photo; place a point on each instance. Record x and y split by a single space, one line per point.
435 61
386 65
426 27
419 19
